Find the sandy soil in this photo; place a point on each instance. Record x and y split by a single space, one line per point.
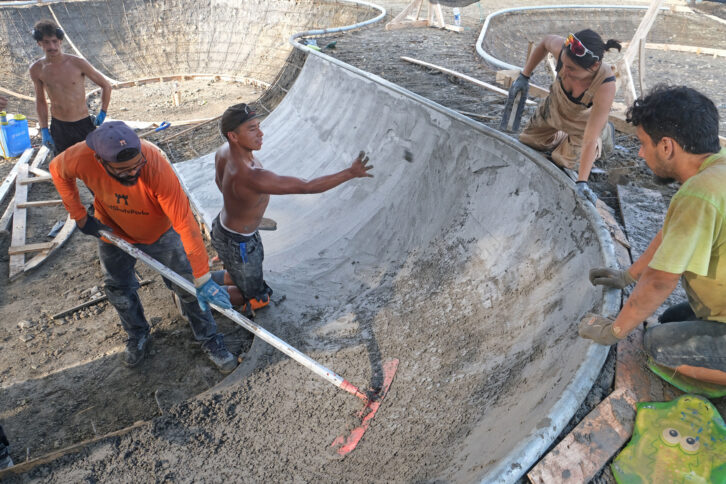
200 98
62 380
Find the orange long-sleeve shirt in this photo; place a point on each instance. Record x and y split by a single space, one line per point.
139 214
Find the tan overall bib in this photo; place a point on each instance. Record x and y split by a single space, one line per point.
559 124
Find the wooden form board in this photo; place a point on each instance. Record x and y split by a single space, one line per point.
17 261
410 16
12 176
451 72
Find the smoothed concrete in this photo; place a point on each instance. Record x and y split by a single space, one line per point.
475 220
468 263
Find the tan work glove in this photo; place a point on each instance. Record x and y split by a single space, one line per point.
616 278
598 329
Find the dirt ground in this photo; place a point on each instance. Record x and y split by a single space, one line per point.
61 379
199 98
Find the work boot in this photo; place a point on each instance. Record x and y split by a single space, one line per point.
608 141
136 348
217 352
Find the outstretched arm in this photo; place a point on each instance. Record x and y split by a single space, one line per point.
264 181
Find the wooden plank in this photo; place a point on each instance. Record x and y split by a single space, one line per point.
580 455
61 237
683 48
17 239
507 76
38 203
12 176
24 249
7 216
37 179
24 467
38 171
408 24
450 72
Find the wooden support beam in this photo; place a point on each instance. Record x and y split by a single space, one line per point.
37 179
580 455
24 249
38 203
12 176
508 76
38 171
17 239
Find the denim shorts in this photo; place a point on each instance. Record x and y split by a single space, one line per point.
683 339
242 256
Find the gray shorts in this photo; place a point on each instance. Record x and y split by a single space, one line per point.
683 339
242 257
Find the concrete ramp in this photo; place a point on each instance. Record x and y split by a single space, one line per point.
468 263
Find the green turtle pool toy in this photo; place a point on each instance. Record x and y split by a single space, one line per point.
683 441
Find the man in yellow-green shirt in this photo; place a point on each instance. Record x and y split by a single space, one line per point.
678 131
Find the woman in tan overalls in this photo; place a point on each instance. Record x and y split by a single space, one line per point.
572 121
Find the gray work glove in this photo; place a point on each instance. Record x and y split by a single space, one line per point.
616 278
521 84
583 191
598 329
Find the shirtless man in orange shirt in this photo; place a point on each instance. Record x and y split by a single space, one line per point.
62 76
246 187
140 199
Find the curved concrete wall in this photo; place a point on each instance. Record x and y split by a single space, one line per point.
468 262
508 34
132 39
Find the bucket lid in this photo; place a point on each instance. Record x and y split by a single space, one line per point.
18 117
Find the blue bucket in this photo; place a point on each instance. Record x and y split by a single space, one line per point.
15 136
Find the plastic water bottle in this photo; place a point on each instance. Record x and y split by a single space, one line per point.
457 17
3 128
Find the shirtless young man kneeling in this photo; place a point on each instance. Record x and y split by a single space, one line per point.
246 187
62 76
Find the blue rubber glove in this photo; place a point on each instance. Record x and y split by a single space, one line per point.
210 292
92 226
47 139
584 192
100 117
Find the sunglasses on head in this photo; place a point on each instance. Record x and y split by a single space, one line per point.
578 48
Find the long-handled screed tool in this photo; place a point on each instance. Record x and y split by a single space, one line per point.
342 444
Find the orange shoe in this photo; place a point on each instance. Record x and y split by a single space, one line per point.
255 304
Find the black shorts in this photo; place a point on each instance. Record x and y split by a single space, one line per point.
65 134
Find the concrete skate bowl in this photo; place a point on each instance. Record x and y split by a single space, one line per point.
134 42
467 263
683 46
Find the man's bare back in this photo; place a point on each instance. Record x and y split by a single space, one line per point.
243 206
64 81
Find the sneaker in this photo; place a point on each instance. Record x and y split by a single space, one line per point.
255 304
608 141
217 352
136 348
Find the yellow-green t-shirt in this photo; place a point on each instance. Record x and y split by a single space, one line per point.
694 239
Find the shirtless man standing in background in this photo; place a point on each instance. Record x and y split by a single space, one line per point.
62 76
246 187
